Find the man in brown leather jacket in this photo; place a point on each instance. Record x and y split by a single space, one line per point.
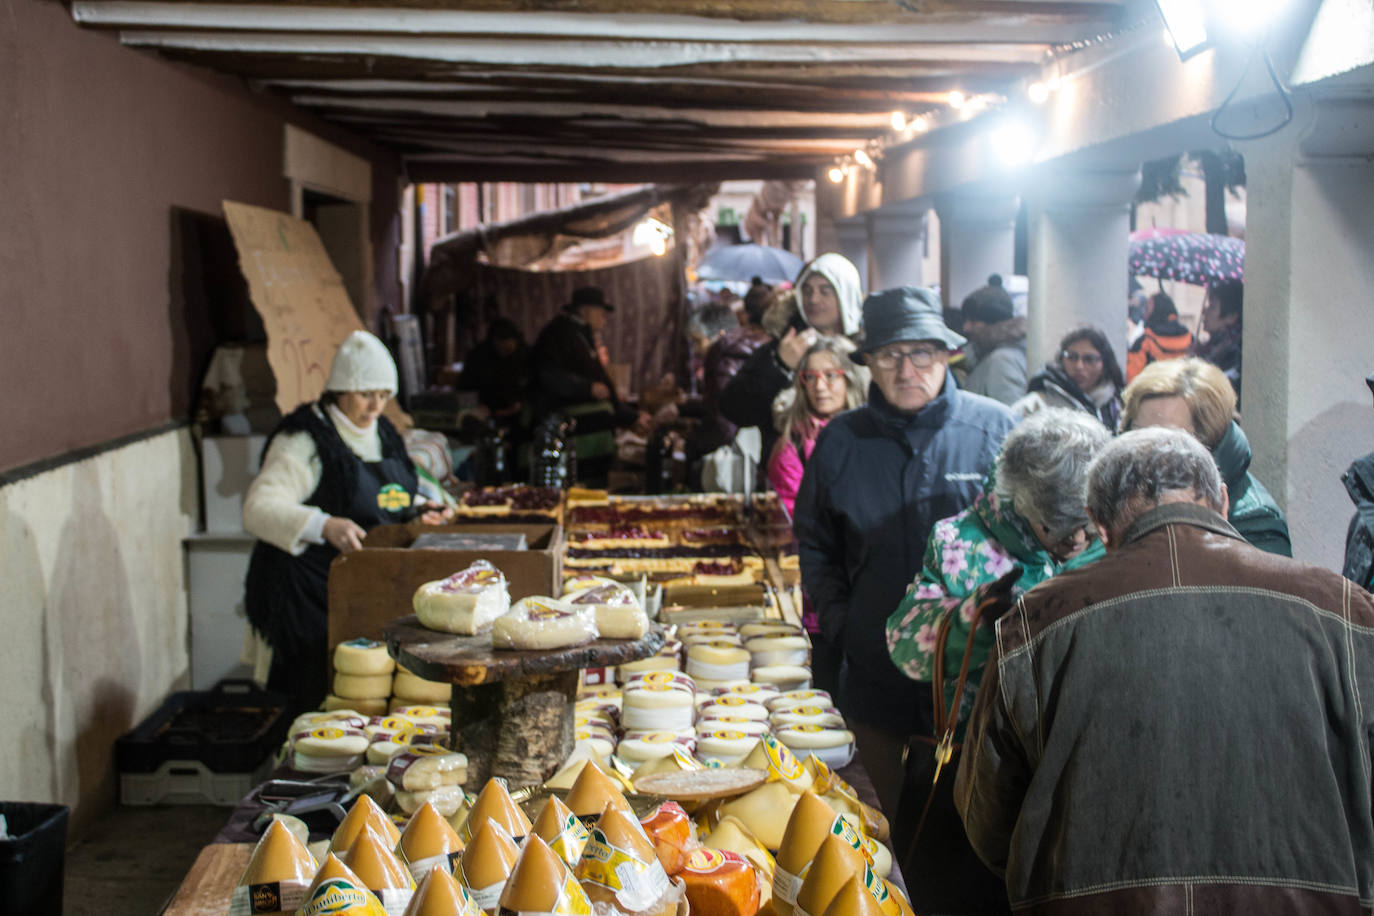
1183 726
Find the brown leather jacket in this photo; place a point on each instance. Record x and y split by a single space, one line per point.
1183 726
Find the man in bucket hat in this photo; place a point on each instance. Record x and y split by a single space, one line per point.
878 480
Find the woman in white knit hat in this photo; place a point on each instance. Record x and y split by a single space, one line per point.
331 470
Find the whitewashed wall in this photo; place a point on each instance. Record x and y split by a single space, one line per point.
92 614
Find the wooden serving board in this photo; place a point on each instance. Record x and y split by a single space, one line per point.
467 661
208 885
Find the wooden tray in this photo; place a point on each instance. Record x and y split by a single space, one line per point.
467 661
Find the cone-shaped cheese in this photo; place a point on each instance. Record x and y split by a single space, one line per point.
495 804
902 904
835 863
772 756
364 813
764 811
806 829
337 890
561 829
377 866
277 874
541 883
592 791
428 840
853 899
487 863
619 867
440 894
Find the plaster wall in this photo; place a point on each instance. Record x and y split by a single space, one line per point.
93 610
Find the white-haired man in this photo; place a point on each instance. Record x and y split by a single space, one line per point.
1183 726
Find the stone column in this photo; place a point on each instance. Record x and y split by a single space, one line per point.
977 238
898 239
852 235
1308 338
1079 236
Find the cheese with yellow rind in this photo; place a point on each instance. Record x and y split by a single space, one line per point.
561 829
781 765
541 883
364 813
495 804
278 874
336 891
440 894
428 840
835 862
592 791
362 657
371 860
783 677
619 866
486 864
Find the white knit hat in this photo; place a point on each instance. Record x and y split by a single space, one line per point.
362 363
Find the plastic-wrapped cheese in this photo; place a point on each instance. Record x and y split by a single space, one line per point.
561 829
426 766
281 860
834 746
601 742
448 800
466 602
381 872
362 656
726 745
385 744
541 883
337 891
853 899
592 791
649 745
753 727
824 716
327 749
495 804
658 707
373 707
620 869
783 677
768 628
426 715
754 693
428 841
541 622
619 614
717 660
667 659
764 811
704 638
720 883
661 678
805 697
580 583
440 894
835 863
778 649
486 864
364 813
734 705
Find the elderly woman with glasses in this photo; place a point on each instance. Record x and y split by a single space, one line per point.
1085 376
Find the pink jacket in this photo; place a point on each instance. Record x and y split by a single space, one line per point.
785 467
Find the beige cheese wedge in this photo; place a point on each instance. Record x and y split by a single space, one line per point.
806 829
853 899
466 602
835 863
764 811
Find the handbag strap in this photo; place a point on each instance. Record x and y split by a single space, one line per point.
947 720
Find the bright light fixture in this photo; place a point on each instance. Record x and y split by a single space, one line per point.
957 99
898 121
1013 142
654 234
1038 93
863 158
920 124
1186 21
1243 18
836 174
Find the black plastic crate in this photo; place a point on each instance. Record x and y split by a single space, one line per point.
32 858
230 729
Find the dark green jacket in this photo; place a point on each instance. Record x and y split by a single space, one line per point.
1253 511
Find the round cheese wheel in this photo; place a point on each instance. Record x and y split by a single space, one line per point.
649 746
824 716
417 690
368 707
731 705
783 677
720 883
329 741
660 678
726 745
384 744
362 656
833 746
778 650
597 741
768 627
700 638
717 660
362 686
754 727
755 693
805 697
658 707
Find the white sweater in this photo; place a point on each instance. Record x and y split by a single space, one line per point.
274 508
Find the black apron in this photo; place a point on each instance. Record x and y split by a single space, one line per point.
287 597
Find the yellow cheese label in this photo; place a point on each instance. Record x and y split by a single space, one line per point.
809 729
684 758
727 735
704 860
782 763
571 839
844 830
730 700
637 884
327 733
545 612
337 895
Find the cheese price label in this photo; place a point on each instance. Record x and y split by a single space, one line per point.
637 884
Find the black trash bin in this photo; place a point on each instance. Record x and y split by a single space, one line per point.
32 858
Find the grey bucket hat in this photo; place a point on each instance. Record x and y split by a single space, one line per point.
904 313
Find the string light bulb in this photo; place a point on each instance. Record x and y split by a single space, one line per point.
1038 93
861 157
898 121
836 174
957 99
920 124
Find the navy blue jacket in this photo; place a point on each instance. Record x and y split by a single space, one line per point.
875 485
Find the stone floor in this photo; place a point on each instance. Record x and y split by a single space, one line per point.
132 859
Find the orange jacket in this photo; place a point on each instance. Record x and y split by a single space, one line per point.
1157 345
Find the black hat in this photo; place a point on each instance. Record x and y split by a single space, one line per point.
904 313
589 295
988 304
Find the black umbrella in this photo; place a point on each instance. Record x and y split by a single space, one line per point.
1198 258
743 262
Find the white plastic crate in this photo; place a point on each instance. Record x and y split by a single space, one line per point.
190 782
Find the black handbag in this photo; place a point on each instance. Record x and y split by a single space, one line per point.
943 874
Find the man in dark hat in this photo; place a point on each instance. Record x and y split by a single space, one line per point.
999 341
878 480
567 367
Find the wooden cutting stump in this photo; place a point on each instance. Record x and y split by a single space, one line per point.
512 709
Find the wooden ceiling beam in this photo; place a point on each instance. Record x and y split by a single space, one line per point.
674 172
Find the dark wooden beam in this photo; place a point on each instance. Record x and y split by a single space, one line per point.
470 170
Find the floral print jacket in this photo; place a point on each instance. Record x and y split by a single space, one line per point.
965 553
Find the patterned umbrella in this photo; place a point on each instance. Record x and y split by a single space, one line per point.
741 262
1199 258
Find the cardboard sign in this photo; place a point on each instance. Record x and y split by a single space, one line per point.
299 295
